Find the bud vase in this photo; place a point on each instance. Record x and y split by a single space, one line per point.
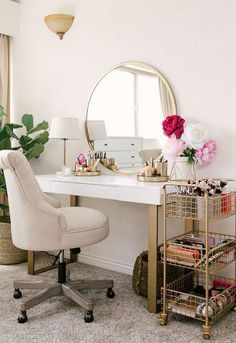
181 170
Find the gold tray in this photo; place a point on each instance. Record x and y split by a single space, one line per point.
152 178
92 173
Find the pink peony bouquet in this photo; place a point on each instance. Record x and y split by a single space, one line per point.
190 140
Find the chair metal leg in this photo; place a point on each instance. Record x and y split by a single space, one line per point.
91 284
40 297
34 284
78 297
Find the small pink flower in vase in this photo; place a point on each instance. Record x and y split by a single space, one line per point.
206 154
173 147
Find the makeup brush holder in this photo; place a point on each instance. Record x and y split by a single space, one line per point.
160 168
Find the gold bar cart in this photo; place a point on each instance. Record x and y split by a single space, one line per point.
202 293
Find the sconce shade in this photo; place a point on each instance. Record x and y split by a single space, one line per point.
64 128
59 23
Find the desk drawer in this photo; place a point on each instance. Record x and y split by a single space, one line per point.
124 156
118 144
87 190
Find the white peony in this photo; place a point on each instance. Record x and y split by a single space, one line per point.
195 135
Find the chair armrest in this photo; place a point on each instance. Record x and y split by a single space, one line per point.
51 201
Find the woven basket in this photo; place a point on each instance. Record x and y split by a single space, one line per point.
9 254
140 274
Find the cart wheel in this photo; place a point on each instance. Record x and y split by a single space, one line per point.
163 319
163 322
206 336
206 331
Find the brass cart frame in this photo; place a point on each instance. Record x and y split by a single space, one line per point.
201 262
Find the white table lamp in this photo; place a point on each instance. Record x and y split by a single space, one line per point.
65 128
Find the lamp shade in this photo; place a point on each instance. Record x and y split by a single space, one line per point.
64 128
96 129
59 23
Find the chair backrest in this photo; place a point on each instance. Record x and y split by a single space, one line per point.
35 224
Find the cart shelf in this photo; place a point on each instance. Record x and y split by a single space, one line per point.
186 296
195 207
189 251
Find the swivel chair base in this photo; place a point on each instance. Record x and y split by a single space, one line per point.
64 286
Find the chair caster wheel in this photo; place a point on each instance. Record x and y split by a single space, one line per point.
22 317
17 293
88 318
110 293
206 336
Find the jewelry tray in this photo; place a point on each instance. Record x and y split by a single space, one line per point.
152 178
92 173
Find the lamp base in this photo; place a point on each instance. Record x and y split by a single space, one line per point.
66 171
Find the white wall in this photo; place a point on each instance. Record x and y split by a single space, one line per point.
9 17
191 41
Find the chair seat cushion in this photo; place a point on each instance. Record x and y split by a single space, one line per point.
84 226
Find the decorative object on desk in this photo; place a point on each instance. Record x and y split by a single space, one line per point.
110 163
86 165
156 171
59 23
31 147
182 170
190 141
64 128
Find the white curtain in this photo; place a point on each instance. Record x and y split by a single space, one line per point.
4 74
4 86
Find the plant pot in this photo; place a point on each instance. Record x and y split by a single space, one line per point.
9 254
181 170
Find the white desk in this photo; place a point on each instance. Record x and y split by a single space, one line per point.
122 188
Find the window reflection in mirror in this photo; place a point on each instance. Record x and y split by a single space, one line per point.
131 100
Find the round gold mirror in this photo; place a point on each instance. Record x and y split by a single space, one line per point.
125 113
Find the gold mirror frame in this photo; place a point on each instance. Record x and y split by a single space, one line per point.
138 64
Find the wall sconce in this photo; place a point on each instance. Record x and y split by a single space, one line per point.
59 23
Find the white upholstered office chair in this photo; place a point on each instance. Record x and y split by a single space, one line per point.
38 224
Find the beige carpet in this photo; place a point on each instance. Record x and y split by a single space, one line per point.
119 320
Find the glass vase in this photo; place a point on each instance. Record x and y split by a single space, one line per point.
181 170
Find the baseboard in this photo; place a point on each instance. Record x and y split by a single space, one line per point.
106 264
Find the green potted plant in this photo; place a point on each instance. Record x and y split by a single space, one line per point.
31 142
